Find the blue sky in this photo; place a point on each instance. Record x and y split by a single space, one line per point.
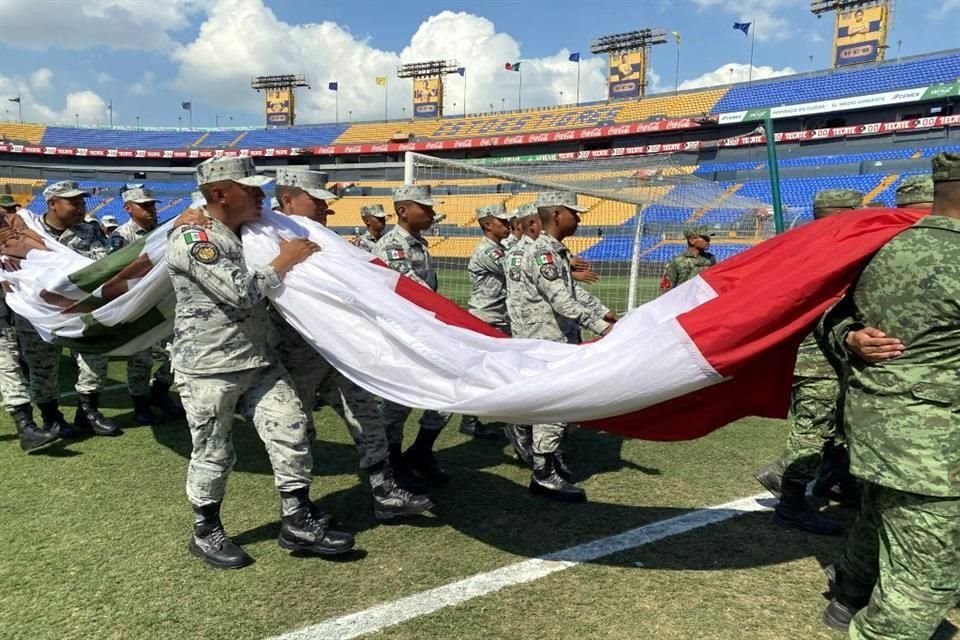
71 58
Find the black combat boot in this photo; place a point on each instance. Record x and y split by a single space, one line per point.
560 466
471 426
88 417
210 542
54 421
521 439
389 499
160 397
793 512
834 481
547 483
301 532
31 437
142 412
419 458
402 474
843 606
771 477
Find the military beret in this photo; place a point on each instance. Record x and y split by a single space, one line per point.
838 198
493 211
566 199
914 189
946 167
697 232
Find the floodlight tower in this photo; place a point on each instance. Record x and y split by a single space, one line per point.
280 97
432 69
640 40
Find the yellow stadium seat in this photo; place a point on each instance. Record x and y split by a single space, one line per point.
685 104
17 132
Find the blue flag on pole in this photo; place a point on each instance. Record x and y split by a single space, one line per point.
575 57
743 26
462 71
332 86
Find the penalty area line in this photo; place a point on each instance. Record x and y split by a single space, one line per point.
381 616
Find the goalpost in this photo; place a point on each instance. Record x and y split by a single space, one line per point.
637 210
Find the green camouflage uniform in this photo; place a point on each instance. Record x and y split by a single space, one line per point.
904 436
914 190
686 265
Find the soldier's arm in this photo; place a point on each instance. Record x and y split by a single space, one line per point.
670 277
590 301
395 255
555 291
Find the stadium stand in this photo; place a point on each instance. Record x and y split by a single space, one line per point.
17 132
684 104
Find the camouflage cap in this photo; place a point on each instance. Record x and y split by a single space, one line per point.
6 200
914 189
514 214
313 182
239 170
413 193
526 210
109 221
946 167
64 189
838 198
697 232
140 195
373 211
493 211
566 199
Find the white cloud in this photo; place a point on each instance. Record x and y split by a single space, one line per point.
767 25
104 78
243 38
40 79
87 105
72 24
734 72
945 7
145 86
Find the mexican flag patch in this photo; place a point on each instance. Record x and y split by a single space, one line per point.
395 254
195 235
544 258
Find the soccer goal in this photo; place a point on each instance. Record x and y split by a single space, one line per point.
637 210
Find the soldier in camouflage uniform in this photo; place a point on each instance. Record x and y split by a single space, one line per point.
516 231
915 192
898 575
142 207
815 441
693 260
375 220
303 193
222 365
546 306
66 208
404 249
488 290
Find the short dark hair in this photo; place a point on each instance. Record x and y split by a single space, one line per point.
546 213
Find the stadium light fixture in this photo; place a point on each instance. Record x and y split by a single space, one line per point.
820 7
629 41
285 81
431 69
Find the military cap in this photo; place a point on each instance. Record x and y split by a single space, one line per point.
946 167
514 214
109 221
239 170
140 195
838 198
64 189
413 193
526 210
697 232
313 182
566 199
6 200
274 204
493 211
914 189
374 211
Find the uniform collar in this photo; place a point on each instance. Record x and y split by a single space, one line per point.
410 237
939 222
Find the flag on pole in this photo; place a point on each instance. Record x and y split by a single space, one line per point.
382 81
743 26
512 66
332 86
574 57
186 106
676 36
462 71
17 99
726 340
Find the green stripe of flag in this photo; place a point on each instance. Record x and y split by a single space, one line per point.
100 338
93 277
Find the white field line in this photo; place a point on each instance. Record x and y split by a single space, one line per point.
389 614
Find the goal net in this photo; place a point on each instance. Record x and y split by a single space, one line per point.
637 210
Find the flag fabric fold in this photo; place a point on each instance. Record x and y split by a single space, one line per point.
186 106
743 26
717 348
462 71
17 99
512 66
574 57
332 86
382 81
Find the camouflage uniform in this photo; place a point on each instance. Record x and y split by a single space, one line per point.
366 241
488 289
901 421
409 255
914 190
686 265
222 366
13 384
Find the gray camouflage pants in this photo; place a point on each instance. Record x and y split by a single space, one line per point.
264 396
140 369
13 384
395 417
43 362
91 372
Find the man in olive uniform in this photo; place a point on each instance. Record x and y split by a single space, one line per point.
898 575
303 193
548 308
223 365
140 203
694 259
915 192
375 220
404 249
64 221
814 440
488 290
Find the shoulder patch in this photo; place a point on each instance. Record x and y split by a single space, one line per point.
195 235
395 254
549 271
495 252
544 258
205 252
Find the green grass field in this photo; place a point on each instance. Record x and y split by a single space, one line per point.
94 542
